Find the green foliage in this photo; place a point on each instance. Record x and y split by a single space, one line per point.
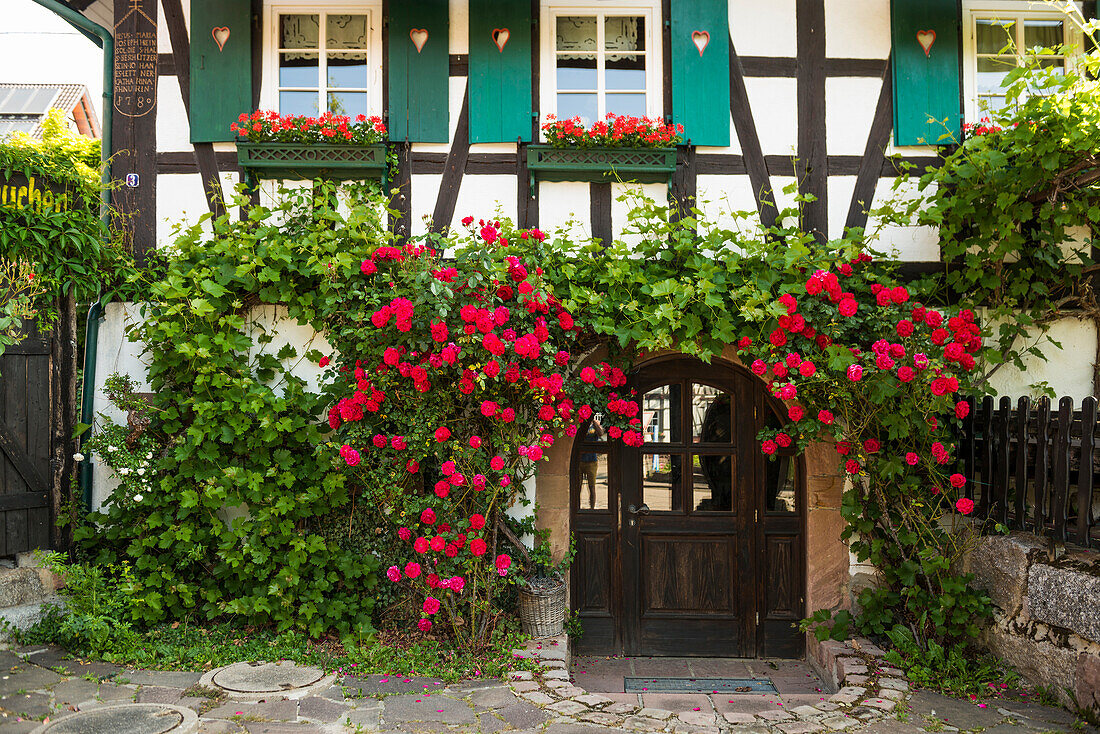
826 625
949 669
229 526
65 252
1014 202
98 613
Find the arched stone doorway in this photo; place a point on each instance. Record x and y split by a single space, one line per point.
692 544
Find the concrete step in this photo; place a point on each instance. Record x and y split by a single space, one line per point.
25 616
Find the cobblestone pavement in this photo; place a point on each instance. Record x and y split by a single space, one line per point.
42 689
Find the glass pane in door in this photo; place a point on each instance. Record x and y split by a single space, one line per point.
661 417
712 482
662 481
780 491
711 415
592 481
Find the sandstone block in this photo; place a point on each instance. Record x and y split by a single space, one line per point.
1088 682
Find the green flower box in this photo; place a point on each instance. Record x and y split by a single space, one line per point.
308 161
642 165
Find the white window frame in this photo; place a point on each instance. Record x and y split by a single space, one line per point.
649 9
1017 10
269 96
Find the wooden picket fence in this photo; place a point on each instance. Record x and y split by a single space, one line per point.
1035 468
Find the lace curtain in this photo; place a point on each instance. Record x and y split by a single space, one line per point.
302 31
578 34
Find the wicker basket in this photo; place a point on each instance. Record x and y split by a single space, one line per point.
542 607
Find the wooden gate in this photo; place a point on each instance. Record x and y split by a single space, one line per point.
37 399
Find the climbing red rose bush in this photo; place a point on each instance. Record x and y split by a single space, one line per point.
450 380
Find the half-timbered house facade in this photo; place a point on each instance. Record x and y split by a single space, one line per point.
692 544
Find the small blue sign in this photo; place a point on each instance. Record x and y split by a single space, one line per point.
132 180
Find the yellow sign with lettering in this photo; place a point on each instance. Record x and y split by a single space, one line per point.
20 192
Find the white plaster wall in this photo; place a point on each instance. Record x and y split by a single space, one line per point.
719 196
839 190
857 29
1067 370
565 203
115 353
459 41
425 186
173 132
484 196
763 28
907 244
849 109
774 104
180 200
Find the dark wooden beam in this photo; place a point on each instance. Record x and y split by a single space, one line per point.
204 152
684 182
874 154
749 139
785 66
134 124
527 192
599 195
812 165
401 193
453 169
459 65
166 65
184 162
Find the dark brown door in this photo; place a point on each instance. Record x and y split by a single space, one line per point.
689 545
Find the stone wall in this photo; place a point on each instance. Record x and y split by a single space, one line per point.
1047 612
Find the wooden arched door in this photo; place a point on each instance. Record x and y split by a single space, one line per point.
692 543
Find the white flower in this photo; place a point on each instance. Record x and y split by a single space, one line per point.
149 455
112 448
78 457
141 472
124 470
138 497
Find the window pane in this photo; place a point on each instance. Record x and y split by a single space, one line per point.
346 31
661 414
577 72
298 70
991 102
626 104
779 485
577 105
993 35
592 475
712 483
347 70
576 33
348 103
298 103
299 31
710 415
624 33
992 71
625 72
1046 33
662 478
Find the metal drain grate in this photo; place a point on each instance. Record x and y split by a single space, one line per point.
698 685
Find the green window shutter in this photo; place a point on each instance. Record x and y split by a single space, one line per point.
926 85
500 71
221 77
701 70
418 88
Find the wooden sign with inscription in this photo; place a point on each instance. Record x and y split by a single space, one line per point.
133 166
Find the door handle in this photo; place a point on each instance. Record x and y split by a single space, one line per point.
643 510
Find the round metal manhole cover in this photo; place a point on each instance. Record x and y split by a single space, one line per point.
134 718
266 677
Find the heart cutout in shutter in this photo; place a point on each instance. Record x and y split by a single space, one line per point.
926 39
701 39
419 37
500 38
221 35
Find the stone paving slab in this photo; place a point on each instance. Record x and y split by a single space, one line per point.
385 685
168 678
